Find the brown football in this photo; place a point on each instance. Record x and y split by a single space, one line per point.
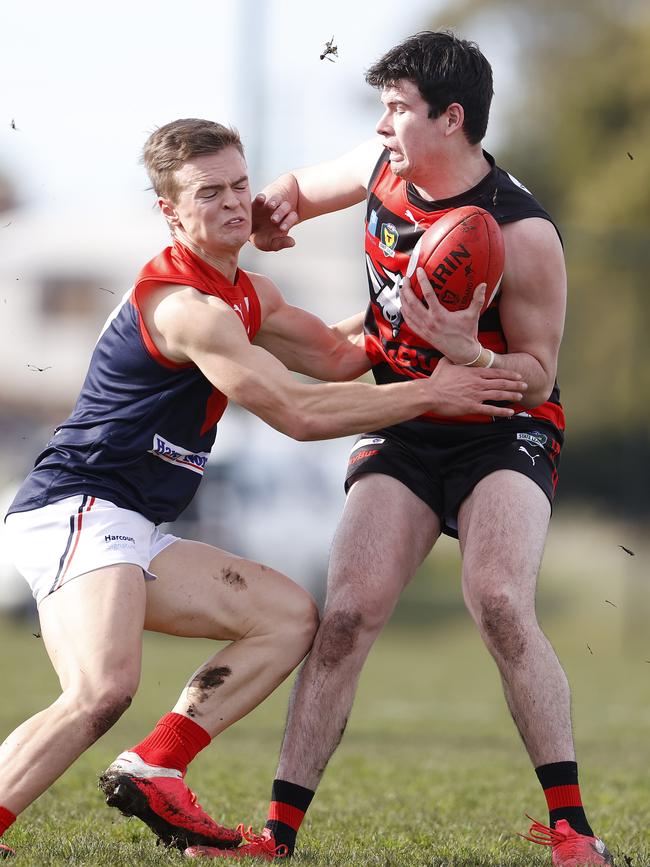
462 249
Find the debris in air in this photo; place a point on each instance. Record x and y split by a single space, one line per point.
330 49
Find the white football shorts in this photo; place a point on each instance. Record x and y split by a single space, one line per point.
63 540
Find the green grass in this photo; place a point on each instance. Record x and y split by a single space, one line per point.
431 771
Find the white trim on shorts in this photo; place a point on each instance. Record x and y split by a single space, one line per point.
63 540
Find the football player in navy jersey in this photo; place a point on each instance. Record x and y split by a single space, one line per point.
194 331
489 481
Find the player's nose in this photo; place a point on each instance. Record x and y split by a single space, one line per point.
383 126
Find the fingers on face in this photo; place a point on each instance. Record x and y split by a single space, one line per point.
281 211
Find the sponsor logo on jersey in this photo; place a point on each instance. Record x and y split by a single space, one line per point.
239 311
372 223
409 216
534 436
166 451
388 239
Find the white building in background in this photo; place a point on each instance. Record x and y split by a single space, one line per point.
60 275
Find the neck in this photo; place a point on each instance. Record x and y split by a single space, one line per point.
225 262
451 174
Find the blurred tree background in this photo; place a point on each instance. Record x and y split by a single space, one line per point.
577 135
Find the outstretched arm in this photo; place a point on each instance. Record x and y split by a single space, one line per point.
310 192
203 329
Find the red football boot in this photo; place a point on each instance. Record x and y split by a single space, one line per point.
5 851
569 849
261 846
160 798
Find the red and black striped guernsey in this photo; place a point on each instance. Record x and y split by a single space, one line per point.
396 217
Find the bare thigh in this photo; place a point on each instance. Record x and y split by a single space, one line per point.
385 533
205 592
92 628
502 530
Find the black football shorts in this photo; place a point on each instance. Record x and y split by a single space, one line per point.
441 463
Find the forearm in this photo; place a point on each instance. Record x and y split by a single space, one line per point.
540 381
316 411
332 410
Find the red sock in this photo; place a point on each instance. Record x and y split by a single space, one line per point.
173 743
7 818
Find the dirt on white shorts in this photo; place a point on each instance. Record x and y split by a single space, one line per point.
61 541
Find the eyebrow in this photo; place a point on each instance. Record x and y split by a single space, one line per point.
219 187
395 100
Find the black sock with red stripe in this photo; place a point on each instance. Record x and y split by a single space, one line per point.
288 806
560 783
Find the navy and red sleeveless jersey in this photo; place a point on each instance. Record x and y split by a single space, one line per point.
143 426
396 217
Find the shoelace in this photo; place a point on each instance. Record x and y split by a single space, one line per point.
543 835
264 840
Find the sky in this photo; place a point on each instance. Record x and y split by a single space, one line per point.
84 84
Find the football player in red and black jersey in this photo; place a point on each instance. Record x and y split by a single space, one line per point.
489 481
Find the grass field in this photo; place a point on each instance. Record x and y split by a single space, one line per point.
430 772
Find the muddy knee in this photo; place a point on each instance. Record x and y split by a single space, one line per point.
503 627
338 637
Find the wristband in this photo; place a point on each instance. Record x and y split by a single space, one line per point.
477 362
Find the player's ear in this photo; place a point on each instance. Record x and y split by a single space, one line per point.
455 114
168 210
